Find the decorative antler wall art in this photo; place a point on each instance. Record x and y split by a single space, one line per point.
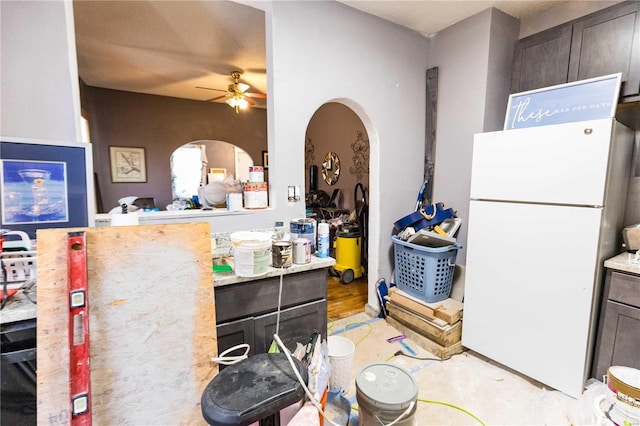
360 156
308 153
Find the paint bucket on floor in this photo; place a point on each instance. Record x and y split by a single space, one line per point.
251 253
384 393
623 384
341 352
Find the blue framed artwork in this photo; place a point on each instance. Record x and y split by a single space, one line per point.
590 99
45 184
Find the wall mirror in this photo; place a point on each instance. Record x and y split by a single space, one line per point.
331 168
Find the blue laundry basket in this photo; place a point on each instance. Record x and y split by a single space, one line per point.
424 272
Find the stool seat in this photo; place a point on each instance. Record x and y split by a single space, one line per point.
251 390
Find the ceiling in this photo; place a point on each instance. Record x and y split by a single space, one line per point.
169 48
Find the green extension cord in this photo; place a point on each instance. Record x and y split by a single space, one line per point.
430 401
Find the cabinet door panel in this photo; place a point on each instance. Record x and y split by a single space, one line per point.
235 333
296 325
619 339
541 60
608 42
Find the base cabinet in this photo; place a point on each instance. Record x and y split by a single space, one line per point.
618 340
248 312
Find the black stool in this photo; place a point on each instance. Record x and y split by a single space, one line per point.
255 389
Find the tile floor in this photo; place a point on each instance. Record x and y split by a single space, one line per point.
495 395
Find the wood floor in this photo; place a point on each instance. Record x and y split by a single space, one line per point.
345 299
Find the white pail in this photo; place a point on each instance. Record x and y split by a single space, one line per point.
385 392
341 352
251 253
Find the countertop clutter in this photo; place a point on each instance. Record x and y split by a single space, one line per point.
624 262
225 278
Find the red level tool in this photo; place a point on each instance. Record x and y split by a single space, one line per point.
79 371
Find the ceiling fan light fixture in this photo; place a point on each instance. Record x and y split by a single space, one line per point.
237 102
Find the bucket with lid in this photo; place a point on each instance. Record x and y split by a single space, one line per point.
341 353
384 393
251 253
623 384
304 228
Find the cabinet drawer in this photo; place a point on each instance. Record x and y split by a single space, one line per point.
257 297
625 289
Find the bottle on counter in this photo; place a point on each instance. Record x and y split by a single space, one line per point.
323 239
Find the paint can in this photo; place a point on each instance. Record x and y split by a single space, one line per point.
304 228
623 385
384 393
255 196
281 254
301 251
256 174
234 201
251 253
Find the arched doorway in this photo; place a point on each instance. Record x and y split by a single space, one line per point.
337 182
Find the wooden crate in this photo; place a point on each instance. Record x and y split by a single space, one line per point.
442 352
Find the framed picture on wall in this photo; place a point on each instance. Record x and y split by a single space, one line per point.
127 164
45 184
265 159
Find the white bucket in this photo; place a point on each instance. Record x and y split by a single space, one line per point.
384 393
251 253
341 352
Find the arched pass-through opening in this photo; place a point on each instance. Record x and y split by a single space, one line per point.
341 148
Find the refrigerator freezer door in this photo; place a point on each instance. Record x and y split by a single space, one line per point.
564 164
529 288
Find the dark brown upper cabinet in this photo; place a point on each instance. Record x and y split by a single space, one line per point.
541 60
604 42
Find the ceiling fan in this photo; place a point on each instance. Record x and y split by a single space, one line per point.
237 96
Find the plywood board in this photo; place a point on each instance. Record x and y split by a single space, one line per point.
151 322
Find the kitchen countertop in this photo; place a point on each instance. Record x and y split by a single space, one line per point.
19 308
623 262
226 278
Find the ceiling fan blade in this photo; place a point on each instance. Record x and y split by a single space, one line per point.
209 88
256 95
249 101
216 98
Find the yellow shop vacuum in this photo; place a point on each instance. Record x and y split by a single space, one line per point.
347 244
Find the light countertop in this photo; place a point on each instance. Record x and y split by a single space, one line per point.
18 308
624 262
226 278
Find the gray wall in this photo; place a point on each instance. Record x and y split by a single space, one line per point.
474 61
324 51
39 85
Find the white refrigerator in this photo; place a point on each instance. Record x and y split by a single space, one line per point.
546 210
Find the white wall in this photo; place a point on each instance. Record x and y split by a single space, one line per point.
324 51
39 85
474 60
